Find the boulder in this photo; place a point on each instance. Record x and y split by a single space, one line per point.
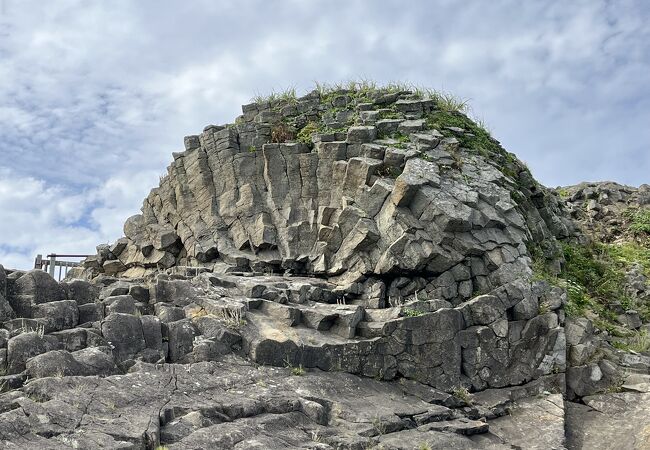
55 363
6 311
124 334
119 304
57 315
60 363
180 335
96 361
25 346
33 288
91 312
81 291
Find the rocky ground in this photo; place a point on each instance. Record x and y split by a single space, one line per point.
352 269
101 369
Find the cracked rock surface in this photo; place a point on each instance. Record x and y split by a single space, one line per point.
232 403
344 270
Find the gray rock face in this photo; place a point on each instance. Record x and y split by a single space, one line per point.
600 208
57 316
234 404
388 213
610 421
330 210
33 288
25 346
369 285
124 334
81 291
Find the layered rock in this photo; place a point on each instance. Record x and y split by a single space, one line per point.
388 211
605 210
344 270
349 204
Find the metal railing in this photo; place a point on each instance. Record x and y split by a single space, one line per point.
50 264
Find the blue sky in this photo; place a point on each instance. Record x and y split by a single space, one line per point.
94 96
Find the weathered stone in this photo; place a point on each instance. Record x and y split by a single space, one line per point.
124 334
57 315
34 288
81 291
359 135
6 311
25 346
482 310
119 304
91 312
181 336
113 267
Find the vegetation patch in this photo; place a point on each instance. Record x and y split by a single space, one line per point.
594 276
297 371
389 172
410 312
281 132
638 342
305 134
287 96
640 222
463 394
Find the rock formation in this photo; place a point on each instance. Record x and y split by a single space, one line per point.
350 269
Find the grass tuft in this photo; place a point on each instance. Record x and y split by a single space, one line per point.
286 96
463 394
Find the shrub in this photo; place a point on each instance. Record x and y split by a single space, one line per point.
298 370
281 132
463 394
595 277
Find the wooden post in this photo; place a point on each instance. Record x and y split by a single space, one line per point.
52 265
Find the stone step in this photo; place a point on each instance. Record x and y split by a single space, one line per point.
338 319
370 330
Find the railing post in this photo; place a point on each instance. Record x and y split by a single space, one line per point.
52 265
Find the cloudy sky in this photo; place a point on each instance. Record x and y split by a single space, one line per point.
95 95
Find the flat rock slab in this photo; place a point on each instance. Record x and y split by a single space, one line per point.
235 404
533 423
610 421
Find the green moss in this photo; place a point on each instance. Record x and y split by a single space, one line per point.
390 114
401 138
475 138
304 135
